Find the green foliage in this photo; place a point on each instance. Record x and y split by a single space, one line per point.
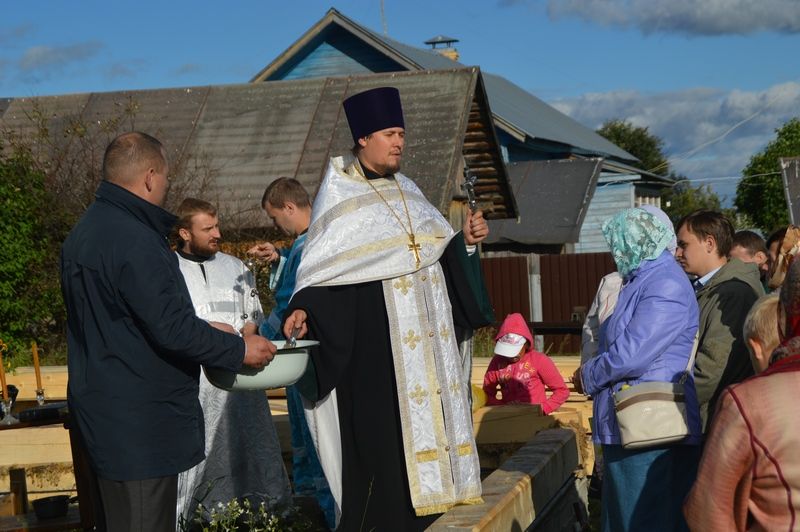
683 199
30 297
483 342
760 194
49 172
637 141
243 516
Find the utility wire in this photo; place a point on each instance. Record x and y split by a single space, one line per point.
696 149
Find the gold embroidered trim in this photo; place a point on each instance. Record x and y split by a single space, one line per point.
427 456
465 449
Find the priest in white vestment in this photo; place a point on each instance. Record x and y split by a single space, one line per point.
383 280
243 455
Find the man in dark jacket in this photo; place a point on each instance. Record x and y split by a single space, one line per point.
135 345
725 290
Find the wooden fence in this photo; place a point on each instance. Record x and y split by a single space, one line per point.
568 285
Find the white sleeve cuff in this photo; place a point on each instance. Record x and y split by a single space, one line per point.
470 249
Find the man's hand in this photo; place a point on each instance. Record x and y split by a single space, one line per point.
296 322
475 228
260 351
265 251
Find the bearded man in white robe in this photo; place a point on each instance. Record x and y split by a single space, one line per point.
243 455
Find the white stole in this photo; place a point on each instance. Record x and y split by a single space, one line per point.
353 238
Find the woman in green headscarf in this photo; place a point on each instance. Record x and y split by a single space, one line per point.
649 337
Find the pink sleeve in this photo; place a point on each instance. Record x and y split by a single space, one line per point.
718 500
553 380
490 383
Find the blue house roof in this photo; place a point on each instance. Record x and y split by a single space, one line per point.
516 111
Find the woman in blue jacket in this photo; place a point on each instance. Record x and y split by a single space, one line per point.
649 337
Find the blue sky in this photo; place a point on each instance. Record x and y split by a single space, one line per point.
712 78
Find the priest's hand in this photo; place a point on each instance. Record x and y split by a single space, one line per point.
258 351
295 323
475 228
265 251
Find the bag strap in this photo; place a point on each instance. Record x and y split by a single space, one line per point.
689 365
691 358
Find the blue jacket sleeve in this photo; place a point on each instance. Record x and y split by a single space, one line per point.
658 319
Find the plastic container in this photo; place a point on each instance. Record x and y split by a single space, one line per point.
285 369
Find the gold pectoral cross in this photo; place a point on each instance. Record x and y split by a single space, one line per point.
413 247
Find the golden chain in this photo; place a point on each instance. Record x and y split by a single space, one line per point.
413 246
410 231
408 216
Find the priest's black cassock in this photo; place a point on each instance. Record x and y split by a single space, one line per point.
355 358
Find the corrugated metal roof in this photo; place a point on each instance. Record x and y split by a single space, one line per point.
244 136
519 112
539 120
553 197
617 167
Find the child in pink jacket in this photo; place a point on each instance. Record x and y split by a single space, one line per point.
520 372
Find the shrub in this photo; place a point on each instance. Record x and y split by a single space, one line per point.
31 307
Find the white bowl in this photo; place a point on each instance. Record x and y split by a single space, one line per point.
285 369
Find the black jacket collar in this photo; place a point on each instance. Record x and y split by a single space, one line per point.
153 216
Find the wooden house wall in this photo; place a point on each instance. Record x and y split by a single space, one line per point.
335 52
608 200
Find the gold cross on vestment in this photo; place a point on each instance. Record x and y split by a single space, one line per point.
418 395
413 247
411 339
403 284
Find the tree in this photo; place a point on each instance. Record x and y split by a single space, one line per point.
30 297
683 199
637 141
760 194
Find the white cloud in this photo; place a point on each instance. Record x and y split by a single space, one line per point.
707 133
43 58
691 17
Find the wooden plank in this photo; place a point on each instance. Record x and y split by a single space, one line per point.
509 423
54 382
29 522
35 445
516 493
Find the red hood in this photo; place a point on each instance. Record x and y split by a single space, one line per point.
515 323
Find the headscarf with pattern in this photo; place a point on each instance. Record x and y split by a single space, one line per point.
635 235
789 314
661 215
